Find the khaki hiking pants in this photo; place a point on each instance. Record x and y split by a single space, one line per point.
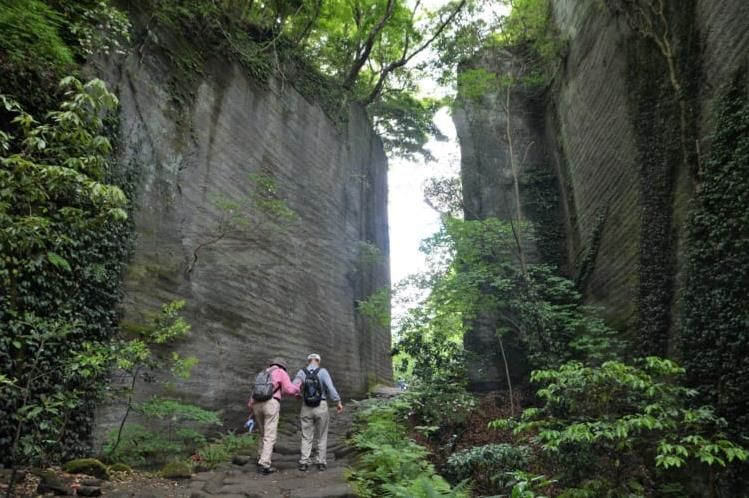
266 417
315 421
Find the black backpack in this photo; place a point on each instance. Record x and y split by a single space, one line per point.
263 390
311 388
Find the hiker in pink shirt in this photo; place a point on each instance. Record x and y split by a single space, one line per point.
265 404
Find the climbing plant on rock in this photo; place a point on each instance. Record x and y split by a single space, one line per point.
714 341
64 237
662 82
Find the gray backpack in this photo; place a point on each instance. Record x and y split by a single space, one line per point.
263 388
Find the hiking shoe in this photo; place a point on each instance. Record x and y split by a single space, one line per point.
266 470
321 467
303 467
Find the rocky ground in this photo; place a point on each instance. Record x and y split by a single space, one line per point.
238 479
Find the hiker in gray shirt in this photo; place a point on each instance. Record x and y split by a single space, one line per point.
317 389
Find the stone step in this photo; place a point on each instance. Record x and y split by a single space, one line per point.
333 491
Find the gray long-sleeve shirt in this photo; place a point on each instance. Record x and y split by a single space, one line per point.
328 389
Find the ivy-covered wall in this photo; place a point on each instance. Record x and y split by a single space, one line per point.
64 239
627 126
714 341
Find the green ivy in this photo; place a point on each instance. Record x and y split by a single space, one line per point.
64 240
714 340
655 121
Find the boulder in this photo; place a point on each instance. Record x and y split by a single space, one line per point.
51 482
176 470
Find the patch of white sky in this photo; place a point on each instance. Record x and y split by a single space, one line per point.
411 219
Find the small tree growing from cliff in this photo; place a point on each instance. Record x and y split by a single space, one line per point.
650 19
247 221
141 357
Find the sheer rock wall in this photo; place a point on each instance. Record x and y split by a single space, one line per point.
261 292
620 195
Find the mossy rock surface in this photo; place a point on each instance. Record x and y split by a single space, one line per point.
89 466
176 470
121 467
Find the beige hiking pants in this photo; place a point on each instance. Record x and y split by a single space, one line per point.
315 421
266 417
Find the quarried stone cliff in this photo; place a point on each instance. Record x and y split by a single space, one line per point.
616 138
263 288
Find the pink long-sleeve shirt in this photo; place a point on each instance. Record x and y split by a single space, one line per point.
282 385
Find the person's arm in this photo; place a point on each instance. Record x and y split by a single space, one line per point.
330 389
299 378
287 388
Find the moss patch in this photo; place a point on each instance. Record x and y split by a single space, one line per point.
176 470
121 467
88 466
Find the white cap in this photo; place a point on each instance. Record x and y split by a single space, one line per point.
313 356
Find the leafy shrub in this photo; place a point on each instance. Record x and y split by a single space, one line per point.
223 448
440 404
29 28
390 462
176 436
619 428
64 240
489 466
40 42
138 446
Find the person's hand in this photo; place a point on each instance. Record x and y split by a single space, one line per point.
339 408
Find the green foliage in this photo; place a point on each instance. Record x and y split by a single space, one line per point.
332 52
264 213
405 123
64 238
89 466
41 40
714 339
477 272
223 449
30 29
390 463
140 359
620 428
530 24
139 446
176 412
367 254
94 26
376 307
525 485
439 403
526 42
445 195
489 466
